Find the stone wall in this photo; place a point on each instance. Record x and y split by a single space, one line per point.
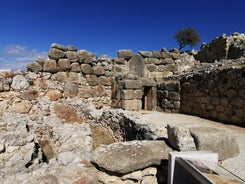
168 96
157 64
217 95
67 72
223 47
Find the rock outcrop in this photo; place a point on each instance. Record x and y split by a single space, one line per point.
219 141
126 157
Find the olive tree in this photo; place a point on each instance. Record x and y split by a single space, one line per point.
187 36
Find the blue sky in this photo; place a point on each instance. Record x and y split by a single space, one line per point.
29 27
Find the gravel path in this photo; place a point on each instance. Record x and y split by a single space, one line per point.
236 165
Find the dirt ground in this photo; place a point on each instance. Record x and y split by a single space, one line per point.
160 120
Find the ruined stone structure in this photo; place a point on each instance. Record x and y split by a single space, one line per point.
163 80
217 95
223 47
55 116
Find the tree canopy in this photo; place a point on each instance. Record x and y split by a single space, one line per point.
187 36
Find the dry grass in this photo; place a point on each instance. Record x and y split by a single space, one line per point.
67 113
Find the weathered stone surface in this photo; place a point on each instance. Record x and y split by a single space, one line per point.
34 67
174 96
60 76
23 106
75 67
148 82
170 86
71 48
220 141
98 70
165 54
151 67
19 83
4 84
126 54
146 54
64 64
58 46
85 56
50 65
54 94
56 54
137 65
152 61
106 81
126 157
30 95
131 104
86 92
131 94
180 138
86 68
70 90
131 84
119 61
156 54
92 80
222 47
72 56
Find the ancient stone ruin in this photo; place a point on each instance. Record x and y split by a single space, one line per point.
55 116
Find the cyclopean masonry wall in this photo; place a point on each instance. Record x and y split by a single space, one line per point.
223 47
133 81
217 95
77 73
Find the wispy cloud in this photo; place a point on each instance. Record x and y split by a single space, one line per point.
16 57
15 50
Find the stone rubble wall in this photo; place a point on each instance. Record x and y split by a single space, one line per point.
67 72
217 95
168 96
158 64
223 47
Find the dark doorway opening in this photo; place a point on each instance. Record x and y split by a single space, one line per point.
149 98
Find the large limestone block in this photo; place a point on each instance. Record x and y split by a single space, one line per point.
54 94
34 67
50 65
19 83
220 141
85 56
70 90
180 138
56 53
64 64
131 84
125 54
126 157
86 68
131 104
131 94
75 67
92 80
23 106
58 46
146 54
98 70
137 65
72 56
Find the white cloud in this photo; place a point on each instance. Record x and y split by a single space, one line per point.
16 57
14 50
